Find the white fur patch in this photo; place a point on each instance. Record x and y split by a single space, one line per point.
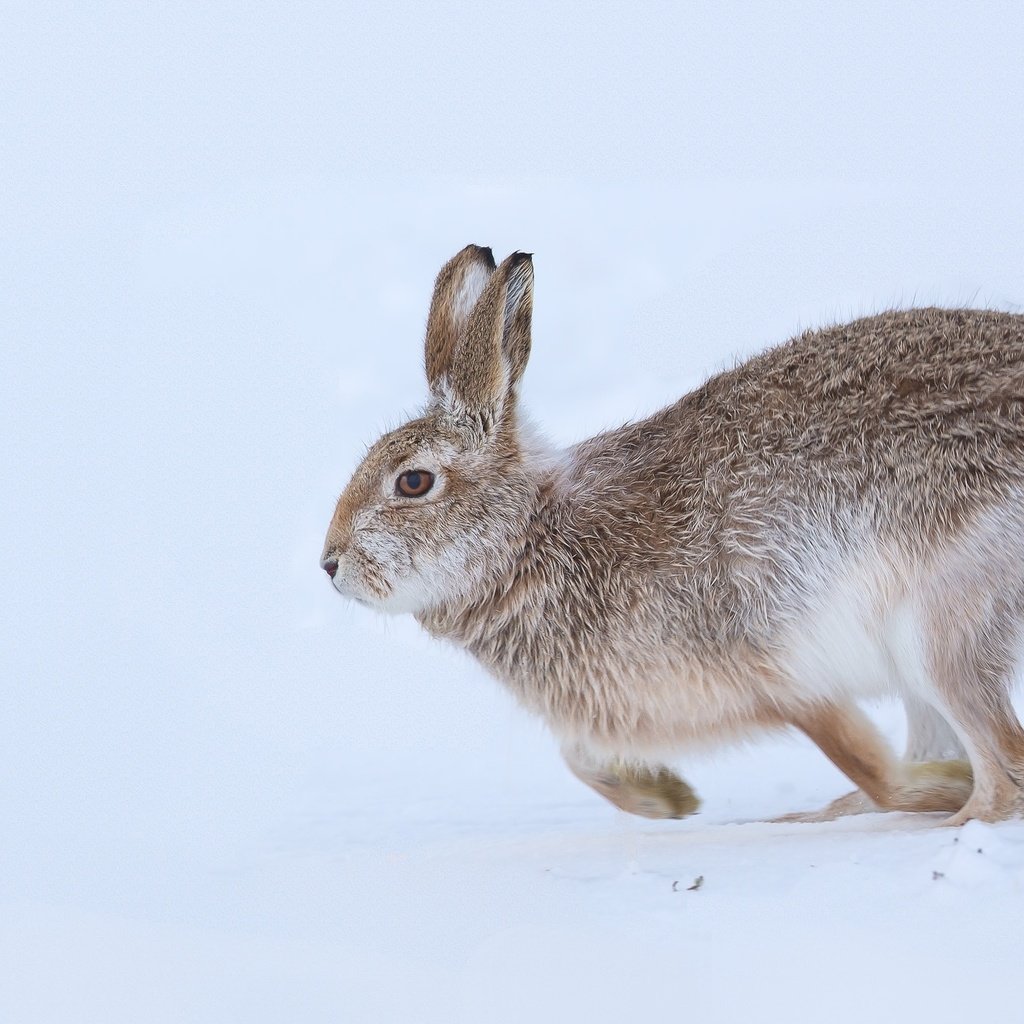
469 291
845 644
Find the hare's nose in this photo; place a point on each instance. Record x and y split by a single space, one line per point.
330 566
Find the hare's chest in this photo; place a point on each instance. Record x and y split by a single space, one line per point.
640 709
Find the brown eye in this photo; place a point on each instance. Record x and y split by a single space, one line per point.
415 483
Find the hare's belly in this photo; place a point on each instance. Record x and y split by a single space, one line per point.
665 705
854 644
854 637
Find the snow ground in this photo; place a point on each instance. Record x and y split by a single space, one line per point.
228 796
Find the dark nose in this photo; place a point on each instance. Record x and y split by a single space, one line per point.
330 567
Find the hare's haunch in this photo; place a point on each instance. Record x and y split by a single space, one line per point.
839 518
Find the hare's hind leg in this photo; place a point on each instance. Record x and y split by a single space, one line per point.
971 673
852 743
652 791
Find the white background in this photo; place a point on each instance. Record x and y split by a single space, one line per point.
226 795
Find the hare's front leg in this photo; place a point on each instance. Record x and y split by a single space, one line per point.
652 791
849 739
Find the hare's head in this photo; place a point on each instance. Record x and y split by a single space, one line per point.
435 506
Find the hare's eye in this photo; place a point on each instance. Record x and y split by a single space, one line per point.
415 483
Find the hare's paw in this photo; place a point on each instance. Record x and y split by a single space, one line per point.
993 798
651 791
936 786
856 802
920 786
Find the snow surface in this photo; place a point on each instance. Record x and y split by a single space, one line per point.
229 796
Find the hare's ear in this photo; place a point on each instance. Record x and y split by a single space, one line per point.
516 336
458 287
491 354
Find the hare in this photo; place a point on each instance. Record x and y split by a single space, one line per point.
841 517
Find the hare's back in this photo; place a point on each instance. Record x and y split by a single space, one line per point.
925 399
921 410
895 362
918 413
920 376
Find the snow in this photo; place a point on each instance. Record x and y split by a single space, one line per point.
228 795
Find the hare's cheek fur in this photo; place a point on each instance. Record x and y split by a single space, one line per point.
369 566
412 561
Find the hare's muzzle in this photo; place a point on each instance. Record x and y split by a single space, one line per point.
330 566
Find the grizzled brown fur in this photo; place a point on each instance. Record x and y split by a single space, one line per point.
838 518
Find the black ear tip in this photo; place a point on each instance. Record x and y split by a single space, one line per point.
520 260
482 252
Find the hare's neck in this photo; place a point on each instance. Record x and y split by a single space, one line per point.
551 593
515 606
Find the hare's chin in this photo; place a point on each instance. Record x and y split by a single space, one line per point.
403 601
363 595
396 601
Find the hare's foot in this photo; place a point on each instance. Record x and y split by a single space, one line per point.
996 799
922 786
651 791
848 738
934 786
971 673
857 802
